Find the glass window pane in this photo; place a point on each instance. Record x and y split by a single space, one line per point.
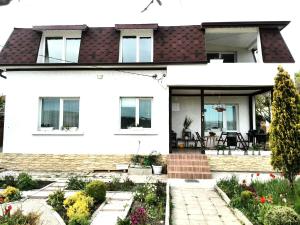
231 117
145 113
228 57
129 49
145 49
213 119
212 56
128 109
71 113
50 113
72 50
53 52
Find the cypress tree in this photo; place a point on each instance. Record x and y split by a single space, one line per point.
285 127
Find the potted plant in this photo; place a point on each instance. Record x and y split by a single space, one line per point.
140 165
46 127
186 127
155 160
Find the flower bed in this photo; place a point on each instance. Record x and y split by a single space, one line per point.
264 203
23 182
148 206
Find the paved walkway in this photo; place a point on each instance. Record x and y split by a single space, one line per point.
199 206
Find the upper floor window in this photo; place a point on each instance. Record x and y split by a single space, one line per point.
61 50
136 45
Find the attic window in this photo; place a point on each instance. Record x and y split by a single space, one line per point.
136 46
61 50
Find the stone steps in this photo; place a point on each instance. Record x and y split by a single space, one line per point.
188 166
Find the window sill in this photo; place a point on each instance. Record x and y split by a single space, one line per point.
136 131
58 133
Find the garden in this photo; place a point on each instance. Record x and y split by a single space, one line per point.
148 206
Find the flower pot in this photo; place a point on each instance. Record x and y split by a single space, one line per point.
157 169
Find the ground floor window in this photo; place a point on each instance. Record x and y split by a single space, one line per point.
135 112
223 121
59 112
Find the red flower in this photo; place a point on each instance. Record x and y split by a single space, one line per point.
257 174
7 209
272 175
262 199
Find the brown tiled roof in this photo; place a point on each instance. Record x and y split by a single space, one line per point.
99 45
21 48
60 27
153 26
274 48
179 44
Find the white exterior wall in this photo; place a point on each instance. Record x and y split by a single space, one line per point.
100 109
99 120
191 107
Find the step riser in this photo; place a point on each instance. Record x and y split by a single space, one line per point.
188 169
188 166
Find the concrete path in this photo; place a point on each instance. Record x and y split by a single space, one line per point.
117 205
194 205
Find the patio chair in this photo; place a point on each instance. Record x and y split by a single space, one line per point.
173 139
243 144
200 140
231 140
261 139
222 139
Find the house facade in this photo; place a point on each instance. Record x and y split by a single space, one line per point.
124 89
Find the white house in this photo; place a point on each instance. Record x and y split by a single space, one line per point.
123 89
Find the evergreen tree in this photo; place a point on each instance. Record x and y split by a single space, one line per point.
285 127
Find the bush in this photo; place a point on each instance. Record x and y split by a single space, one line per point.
143 190
76 183
78 208
25 182
56 200
246 196
97 190
151 199
117 185
10 181
281 215
125 221
11 194
79 221
20 219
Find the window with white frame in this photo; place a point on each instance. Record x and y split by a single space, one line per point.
136 48
224 121
61 50
227 57
136 112
59 113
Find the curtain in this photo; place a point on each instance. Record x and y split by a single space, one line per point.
71 113
50 113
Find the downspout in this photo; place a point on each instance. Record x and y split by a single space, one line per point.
253 50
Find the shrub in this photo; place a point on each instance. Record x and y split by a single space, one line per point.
297 204
79 221
20 219
25 182
11 194
125 221
143 190
285 127
117 185
78 207
10 181
246 196
281 215
139 216
97 190
56 200
76 183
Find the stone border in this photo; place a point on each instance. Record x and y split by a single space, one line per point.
54 213
236 211
241 217
168 208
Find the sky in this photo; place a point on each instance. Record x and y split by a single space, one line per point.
27 13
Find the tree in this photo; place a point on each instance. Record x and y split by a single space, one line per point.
263 108
285 127
297 81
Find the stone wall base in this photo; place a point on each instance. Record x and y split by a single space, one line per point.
245 163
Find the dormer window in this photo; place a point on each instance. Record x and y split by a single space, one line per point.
61 50
136 42
60 43
136 49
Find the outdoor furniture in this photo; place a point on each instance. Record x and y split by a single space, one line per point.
231 139
222 139
173 139
261 139
200 140
243 144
